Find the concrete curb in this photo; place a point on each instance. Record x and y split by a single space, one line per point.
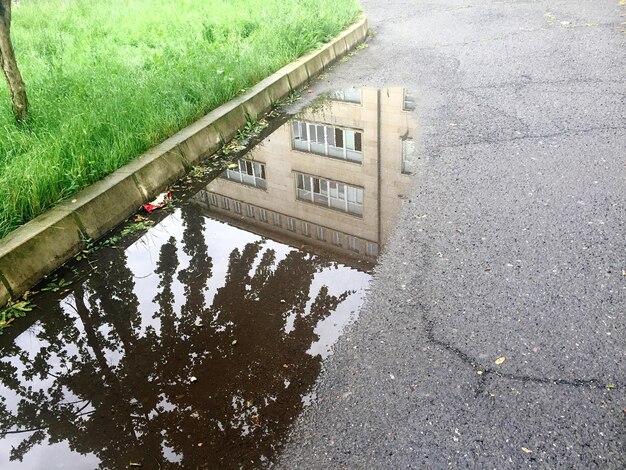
46 242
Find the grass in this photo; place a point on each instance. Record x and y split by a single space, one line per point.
108 80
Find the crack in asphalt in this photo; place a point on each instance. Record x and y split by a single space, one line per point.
593 383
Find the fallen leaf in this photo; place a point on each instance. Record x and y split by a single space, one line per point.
479 372
611 386
623 272
193 379
134 464
527 450
233 342
23 306
286 366
198 322
500 360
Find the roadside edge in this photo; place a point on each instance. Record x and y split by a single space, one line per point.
45 243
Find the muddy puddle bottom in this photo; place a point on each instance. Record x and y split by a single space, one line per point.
197 343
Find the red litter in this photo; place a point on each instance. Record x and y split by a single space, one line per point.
160 201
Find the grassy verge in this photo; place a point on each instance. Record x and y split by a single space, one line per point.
108 80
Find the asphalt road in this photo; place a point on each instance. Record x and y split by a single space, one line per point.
513 245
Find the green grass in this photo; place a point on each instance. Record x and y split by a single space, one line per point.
109 79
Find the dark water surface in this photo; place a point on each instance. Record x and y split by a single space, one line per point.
196 344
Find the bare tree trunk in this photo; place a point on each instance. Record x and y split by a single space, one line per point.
9 64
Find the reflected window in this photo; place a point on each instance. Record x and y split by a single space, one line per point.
247 172
278 219
225 203
237 207
250 211
409 102
336 238
291 224
328 193
202 196
408 156
305 229
321 233
353 244
336 142
350 95
213 199
263 215
371 249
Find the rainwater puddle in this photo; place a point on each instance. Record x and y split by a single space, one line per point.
197 344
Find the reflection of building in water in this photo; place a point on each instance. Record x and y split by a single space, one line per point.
331 177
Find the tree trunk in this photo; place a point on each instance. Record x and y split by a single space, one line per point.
9 65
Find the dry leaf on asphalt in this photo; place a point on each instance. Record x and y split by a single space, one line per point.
500 360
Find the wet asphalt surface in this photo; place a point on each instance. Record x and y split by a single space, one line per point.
512 245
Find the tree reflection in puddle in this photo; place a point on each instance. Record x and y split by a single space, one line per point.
174 353
198 345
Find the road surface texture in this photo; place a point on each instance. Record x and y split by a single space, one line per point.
512 246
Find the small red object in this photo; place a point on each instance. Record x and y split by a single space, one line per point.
160 201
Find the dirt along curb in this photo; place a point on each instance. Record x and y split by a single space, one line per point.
46 242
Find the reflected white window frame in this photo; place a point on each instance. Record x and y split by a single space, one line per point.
408 156
291 224
348 95
248 172
237 207
408 102
353 243
336 238
278 220
203 195
340 143
225 203
321 233
263 215
371 249
329 193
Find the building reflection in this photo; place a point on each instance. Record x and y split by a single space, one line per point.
196 345
333 177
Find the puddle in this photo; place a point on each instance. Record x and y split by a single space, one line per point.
197 344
